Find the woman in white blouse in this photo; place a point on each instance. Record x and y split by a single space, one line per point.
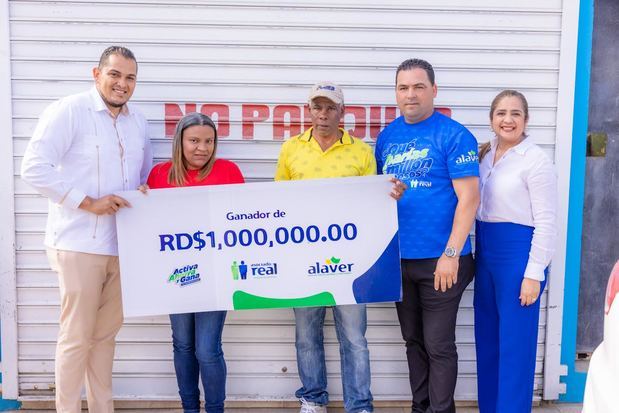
515 237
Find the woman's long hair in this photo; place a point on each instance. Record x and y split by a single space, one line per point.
485 148
178 171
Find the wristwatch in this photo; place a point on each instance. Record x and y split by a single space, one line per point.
450 252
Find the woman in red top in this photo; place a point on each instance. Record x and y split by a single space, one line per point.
196 337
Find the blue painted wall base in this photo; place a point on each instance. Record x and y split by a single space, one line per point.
574 380
9 405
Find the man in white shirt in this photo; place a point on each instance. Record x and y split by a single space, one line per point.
85 148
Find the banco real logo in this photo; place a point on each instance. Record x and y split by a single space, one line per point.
185 275
240 270
415 183
332 266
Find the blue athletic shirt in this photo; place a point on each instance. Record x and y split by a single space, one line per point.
427 156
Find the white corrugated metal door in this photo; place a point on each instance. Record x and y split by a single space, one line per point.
251 64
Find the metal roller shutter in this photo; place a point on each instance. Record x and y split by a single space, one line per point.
249 58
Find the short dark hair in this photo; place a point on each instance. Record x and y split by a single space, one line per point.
410 64
119 50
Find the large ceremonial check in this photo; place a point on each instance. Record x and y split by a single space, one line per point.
262 245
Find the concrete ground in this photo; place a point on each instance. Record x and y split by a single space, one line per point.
546 408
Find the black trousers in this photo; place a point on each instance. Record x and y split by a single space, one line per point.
428 323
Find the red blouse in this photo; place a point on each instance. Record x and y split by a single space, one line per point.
223 172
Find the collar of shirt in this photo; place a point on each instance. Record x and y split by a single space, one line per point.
520 149
346 139
99 105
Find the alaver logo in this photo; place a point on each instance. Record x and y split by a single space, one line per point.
469 157
186 275
332 266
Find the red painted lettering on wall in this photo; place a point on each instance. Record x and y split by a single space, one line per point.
380 116
220 114
282 121
360 123
251 115
286 118
307 117
174 113
444 111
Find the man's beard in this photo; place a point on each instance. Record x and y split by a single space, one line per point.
111 104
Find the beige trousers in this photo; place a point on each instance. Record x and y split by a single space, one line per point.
90 317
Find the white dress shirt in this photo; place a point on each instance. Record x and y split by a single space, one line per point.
79 149
521 188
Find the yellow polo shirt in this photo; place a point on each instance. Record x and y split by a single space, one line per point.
302 158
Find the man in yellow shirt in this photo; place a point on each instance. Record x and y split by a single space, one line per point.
326 151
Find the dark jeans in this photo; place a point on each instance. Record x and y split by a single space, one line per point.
428 323
196 338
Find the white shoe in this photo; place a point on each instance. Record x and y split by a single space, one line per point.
309 407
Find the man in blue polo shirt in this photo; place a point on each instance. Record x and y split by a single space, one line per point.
437 157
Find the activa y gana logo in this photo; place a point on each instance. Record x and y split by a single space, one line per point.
469 157
332 266
185 275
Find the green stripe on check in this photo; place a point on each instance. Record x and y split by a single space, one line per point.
246 301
